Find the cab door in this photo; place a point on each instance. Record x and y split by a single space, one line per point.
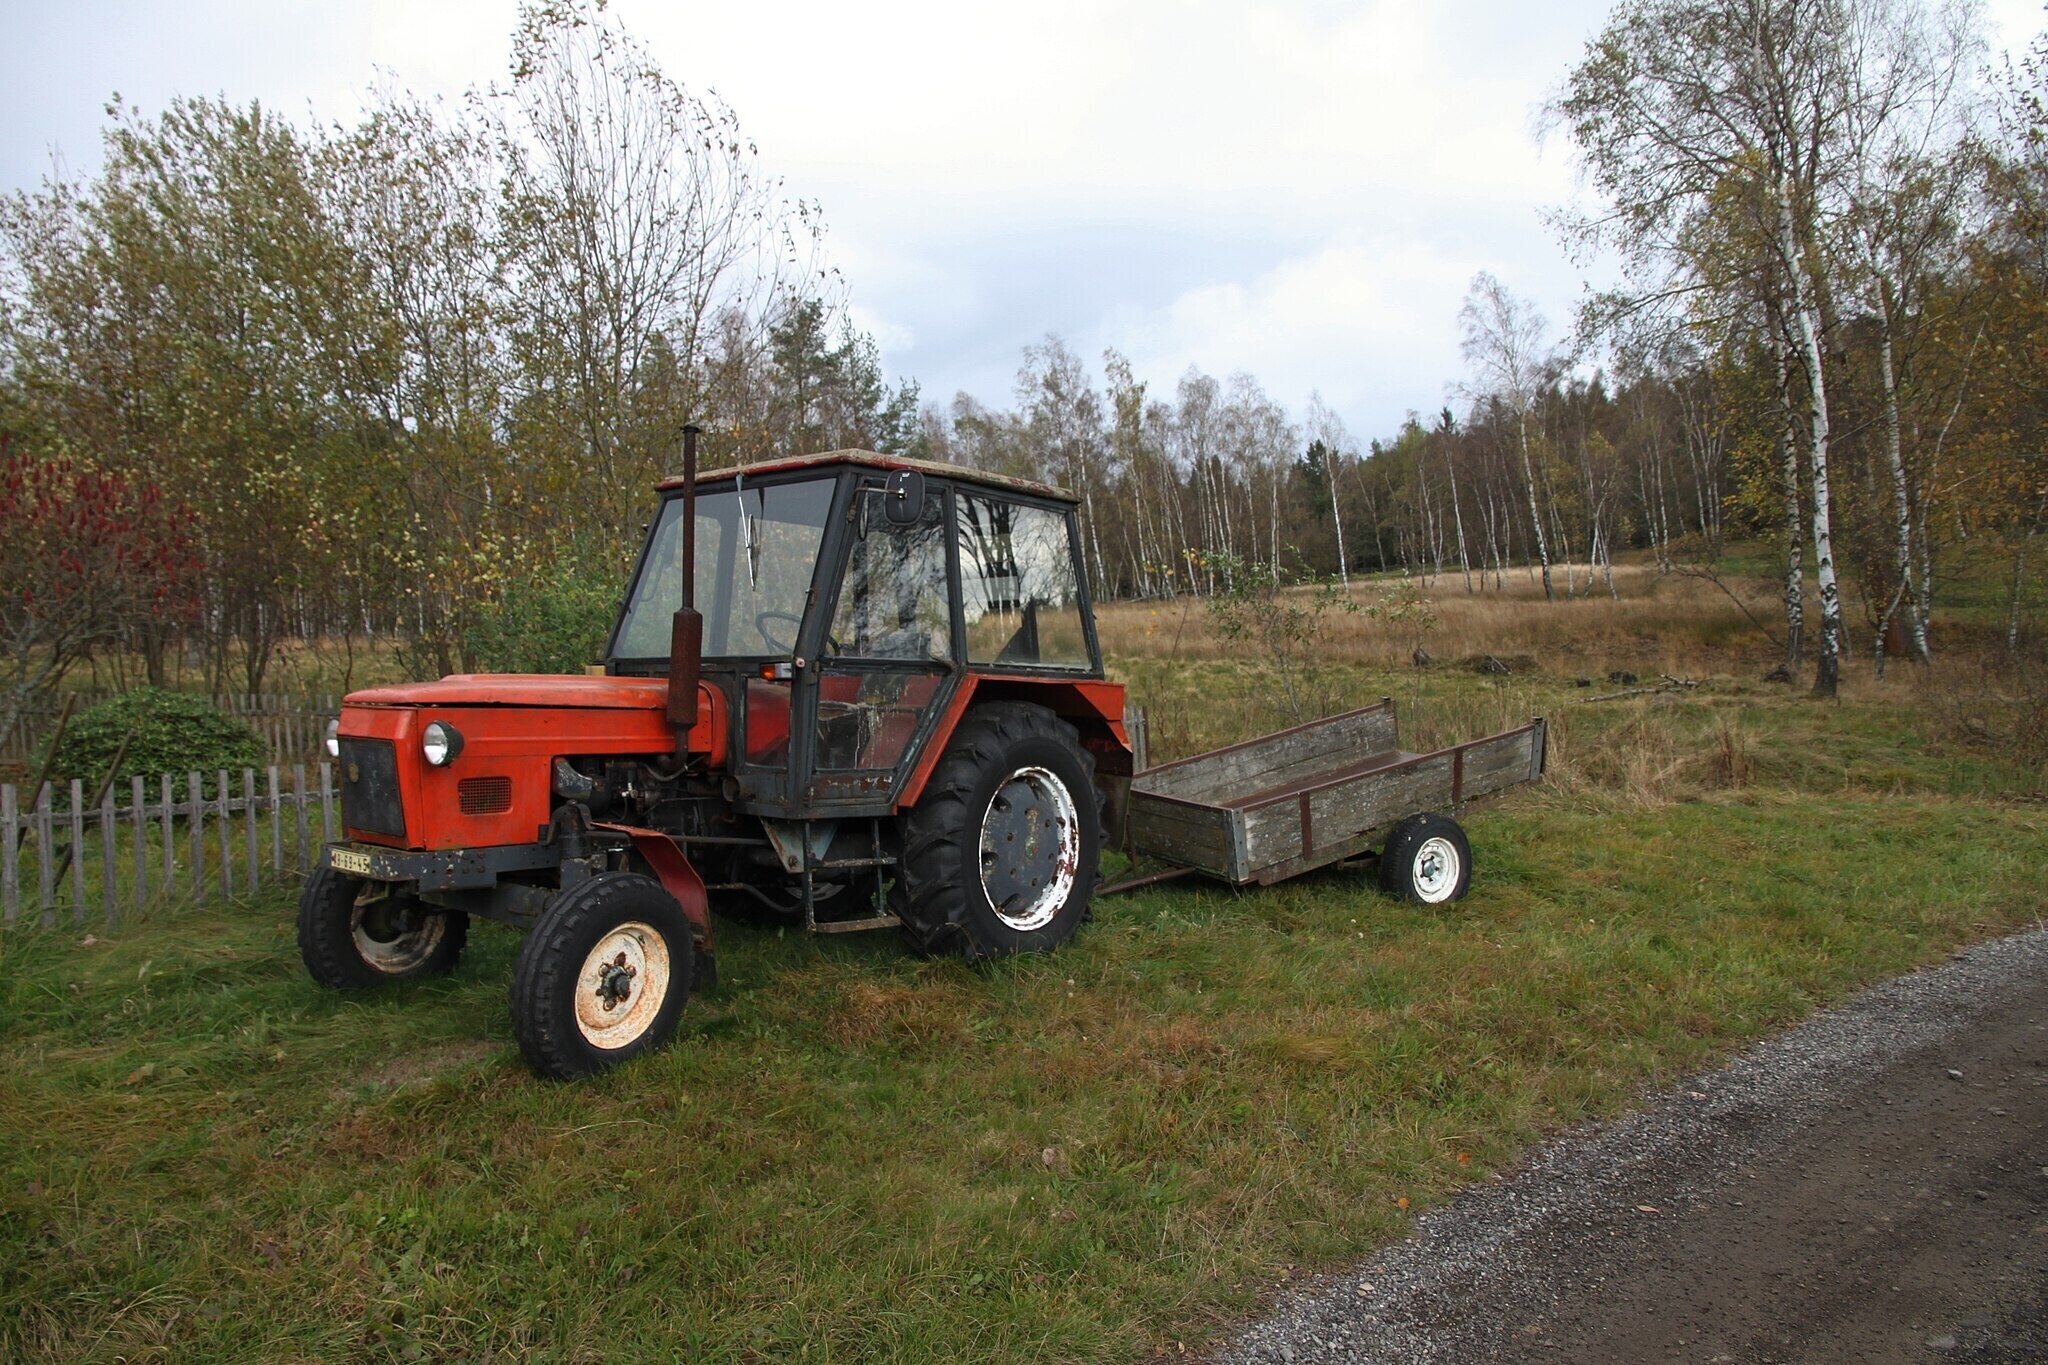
889 660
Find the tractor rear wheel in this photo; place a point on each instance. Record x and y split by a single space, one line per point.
1000 853
350 940
602 976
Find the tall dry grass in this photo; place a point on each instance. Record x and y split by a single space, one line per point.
1656 623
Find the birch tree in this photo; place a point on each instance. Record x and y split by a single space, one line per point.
1689 113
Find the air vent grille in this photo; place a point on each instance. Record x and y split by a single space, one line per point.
484 795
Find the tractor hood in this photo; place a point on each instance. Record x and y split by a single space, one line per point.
522 689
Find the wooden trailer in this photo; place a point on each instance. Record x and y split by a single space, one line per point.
1322 793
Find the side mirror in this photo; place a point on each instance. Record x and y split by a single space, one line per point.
903 497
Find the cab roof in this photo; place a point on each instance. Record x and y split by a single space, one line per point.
874 460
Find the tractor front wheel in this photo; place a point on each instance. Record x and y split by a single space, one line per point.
1000 853
602 976
353 935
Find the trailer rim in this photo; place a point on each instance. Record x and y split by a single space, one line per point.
1436 868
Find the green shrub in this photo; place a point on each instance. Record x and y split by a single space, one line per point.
167 732
555 623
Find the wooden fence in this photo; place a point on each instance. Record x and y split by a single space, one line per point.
292 727
178 840
71 860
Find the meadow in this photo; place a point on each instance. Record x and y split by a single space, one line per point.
1111 1153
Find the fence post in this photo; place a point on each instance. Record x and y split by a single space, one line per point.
10 862
141 844
170 843
197 830
110 892
327 803
276 825
78 850
299 808
249 822
46 879
227 836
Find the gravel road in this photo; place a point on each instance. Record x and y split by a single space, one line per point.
1870 1187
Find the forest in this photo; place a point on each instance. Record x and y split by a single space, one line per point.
406 382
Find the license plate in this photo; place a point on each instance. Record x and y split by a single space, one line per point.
348 860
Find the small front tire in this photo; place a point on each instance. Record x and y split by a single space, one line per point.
1427 860
602 976
351 940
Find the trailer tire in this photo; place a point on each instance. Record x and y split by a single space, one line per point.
1001 851
1427 860
348 946
602 976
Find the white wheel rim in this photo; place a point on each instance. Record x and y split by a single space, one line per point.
1436 869
1030 848
620 990
393 953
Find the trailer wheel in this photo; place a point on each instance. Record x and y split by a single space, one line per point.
602 976
1427 859
350 941
1001 851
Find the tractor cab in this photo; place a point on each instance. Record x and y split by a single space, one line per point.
851 605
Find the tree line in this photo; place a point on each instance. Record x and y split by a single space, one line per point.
404 378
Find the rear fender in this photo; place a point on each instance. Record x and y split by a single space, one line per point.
1094 708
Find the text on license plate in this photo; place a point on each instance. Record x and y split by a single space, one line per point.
348 860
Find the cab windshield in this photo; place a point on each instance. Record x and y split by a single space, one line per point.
757 547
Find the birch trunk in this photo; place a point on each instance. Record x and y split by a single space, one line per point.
1828 663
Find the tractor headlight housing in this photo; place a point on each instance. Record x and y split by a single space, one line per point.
440 742
334 738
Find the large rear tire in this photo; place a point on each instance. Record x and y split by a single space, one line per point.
1001 852
602 976
351 941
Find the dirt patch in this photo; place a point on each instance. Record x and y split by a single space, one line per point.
416 1066
1871 1187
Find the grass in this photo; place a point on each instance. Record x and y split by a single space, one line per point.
851 1155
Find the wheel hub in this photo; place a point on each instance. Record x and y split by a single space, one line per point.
615 982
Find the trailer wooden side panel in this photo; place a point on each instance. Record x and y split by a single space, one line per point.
1275 807
1223 777
1187 834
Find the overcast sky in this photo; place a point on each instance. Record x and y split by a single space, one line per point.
1298 190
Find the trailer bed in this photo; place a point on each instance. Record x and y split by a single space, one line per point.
1282 804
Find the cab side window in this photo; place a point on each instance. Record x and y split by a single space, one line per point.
893 602
1019 587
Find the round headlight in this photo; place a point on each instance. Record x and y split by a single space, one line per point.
440 742
334 738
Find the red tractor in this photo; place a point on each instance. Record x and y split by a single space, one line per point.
850 689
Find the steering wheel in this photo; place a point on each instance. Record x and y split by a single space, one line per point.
761 620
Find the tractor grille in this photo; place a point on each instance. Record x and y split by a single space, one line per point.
484 795
369 787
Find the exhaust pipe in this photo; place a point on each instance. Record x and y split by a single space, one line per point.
686 630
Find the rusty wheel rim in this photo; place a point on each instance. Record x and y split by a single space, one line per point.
382 944
620 990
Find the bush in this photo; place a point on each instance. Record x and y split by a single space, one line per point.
554 624
167 732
